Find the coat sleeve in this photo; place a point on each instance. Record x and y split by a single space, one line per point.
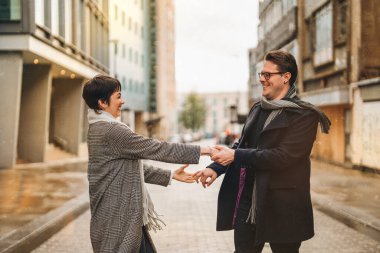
154 175
218 168
127 144
297 143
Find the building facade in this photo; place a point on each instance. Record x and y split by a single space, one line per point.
218 111
129 57
142 48
162 121
47 49
337 46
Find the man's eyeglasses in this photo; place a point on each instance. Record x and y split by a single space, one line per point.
267 75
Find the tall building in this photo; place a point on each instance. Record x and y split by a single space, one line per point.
142 58
337 46
162 120
129 57
340 48
47 49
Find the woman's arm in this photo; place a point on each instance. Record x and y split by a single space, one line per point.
154 175
127 144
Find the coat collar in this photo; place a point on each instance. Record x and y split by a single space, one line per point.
281 121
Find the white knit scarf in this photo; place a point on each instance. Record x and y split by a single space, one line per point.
150 217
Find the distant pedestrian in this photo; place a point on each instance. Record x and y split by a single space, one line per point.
265 194
122 211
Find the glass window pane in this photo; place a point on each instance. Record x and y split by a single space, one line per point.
323 36
10 10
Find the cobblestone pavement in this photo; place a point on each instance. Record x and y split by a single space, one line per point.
189 212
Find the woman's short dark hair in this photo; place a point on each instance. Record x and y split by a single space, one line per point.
285 62
99 87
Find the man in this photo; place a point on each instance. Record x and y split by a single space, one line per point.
265 194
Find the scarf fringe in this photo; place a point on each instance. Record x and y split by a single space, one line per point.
154 221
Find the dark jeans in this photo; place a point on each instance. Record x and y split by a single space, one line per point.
244 237
145 243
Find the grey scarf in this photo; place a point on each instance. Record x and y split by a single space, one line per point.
150 217
276 106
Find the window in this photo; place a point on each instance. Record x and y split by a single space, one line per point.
123 84
130 85
115 12
136 32
123 18
47 13
142 32
136 58
123 50
142 60
323 36
39 10
61 18
142 87
130 54
10 10
136 86
130 23
287 5
341 22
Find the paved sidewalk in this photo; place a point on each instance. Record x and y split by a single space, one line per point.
39 199
190 212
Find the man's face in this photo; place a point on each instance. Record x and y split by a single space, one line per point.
277 84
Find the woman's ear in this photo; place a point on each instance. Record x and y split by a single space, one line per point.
102 104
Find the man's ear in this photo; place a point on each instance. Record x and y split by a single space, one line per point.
102 104
287 76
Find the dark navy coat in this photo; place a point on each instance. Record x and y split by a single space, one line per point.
281 163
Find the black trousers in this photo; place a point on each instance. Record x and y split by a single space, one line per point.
145 247
244 238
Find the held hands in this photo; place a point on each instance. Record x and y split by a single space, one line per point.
222 155
206 176
219 154
182 176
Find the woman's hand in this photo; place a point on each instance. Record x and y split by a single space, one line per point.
181 175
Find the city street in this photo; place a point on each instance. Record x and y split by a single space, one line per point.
190 212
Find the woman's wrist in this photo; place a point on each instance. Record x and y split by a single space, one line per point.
206 150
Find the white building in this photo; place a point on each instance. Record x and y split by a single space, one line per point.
218 111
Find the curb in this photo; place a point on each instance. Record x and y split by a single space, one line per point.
352 217
31 235
76 161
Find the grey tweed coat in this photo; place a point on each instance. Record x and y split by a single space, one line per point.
115 184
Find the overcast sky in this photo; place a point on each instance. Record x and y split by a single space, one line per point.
212 42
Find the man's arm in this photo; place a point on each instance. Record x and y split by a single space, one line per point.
297 142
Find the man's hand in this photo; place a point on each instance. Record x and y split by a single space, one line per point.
207 176
223 155
181 175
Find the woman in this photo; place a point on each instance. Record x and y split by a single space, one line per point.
121 209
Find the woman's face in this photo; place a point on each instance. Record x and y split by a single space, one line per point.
114 107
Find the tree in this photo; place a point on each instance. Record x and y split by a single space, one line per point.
193 114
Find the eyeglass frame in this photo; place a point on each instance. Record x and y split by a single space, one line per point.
270 74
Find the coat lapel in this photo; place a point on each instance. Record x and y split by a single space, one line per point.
250 120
